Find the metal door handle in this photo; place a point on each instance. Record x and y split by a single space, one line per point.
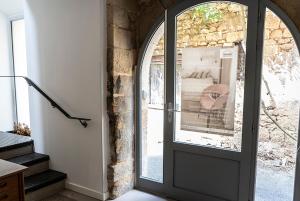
170 110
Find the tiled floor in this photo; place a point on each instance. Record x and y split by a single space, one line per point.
133 195
67 195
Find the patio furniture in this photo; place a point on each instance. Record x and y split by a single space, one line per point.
213 101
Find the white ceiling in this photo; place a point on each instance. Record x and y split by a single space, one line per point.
11 7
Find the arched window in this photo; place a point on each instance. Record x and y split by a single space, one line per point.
217 105
279 112
152 106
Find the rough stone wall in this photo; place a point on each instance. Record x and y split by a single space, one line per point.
149 12
155 9
121 57
291 7
278 37
222 32
191 33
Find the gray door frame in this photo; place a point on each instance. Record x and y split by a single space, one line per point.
247 157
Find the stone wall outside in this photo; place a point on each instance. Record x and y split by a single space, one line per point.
151 10
225 32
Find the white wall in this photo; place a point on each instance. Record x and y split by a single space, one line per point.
6 84
66 55
11 8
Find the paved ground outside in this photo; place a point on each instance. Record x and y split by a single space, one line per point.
274 185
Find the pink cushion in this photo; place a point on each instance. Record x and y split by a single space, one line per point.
214 97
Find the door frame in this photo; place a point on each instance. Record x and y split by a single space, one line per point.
253 96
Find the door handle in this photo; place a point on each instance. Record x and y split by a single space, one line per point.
170 110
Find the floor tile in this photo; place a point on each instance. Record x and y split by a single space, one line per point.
135 195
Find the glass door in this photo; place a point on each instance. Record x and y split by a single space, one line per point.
209 95
216 97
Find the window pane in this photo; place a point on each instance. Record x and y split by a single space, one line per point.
152 108
279 113
211 40
20 65
7 108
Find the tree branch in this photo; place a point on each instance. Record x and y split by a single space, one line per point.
269 91
276 123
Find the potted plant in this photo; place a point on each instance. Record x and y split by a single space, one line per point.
21 129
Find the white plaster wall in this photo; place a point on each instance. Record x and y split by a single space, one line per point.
11 8
66 58
6 84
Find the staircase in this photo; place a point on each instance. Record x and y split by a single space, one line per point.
40 181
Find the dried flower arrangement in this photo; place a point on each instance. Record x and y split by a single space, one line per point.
21 129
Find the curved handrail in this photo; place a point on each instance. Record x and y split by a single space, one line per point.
83 121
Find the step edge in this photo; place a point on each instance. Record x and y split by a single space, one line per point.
31 162
62 177
16 146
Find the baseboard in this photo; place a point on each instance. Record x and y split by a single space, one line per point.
86 191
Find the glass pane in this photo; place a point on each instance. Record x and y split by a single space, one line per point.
7 108
279 113
152 85
20 64
211 40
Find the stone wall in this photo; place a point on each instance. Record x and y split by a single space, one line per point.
121 57
278 37
291 8
151 10
227 31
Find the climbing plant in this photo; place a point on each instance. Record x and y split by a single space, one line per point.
207 13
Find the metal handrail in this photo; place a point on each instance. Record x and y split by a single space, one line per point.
83 121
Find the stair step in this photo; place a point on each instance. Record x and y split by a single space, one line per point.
36 163
12 145
10 141
46 192
36 182
29 159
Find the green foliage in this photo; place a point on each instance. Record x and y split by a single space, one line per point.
207 13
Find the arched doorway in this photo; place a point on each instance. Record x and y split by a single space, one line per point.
198 101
